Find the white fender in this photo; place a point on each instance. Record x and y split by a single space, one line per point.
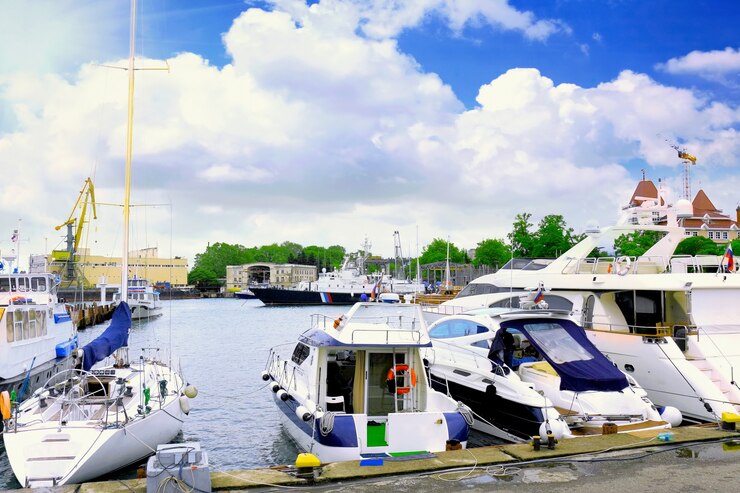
185 404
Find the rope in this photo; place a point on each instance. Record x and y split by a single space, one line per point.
326 423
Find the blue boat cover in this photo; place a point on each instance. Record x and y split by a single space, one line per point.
115 336
566 347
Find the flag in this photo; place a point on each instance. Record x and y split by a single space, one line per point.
540 296
730 259
14 237
376 289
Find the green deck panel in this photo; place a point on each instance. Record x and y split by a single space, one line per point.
376 435
404 454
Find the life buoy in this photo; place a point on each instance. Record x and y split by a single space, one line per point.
5 404
623 265
391 379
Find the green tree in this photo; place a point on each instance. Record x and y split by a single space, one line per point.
553 237
636 243
218 256
492 252
521 238
202 277
699 245
436 251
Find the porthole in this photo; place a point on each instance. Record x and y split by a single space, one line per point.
629 368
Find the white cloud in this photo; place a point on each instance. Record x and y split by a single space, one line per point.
383 19
318 135
718 65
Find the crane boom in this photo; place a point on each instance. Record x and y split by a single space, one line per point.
87 195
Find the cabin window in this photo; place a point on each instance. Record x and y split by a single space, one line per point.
10 327
481 344
41 322
300 353
21 284
456 328
26 324
32 324
38 284
4 285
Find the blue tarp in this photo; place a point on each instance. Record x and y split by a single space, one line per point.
566 347
115 336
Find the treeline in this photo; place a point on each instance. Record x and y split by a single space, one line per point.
210 266
551 238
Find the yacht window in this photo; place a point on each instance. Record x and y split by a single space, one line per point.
456 328
32 326
560 346
481 344
41 322
553 302
4 284
300 353
473 289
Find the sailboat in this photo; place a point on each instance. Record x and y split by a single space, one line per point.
88 421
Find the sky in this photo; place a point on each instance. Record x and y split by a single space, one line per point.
324 122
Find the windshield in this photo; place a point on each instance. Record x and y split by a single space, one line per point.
560 346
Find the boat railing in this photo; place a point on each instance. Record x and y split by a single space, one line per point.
386 336
662 329
654 264
397 322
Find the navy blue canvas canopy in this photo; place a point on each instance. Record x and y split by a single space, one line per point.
115 336
566 347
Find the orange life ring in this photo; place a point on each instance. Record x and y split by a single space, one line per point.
5 404
391 379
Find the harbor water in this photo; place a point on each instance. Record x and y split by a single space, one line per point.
222 346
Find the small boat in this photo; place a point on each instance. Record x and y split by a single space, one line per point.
494 359
245 294
39 337
354 387
143 299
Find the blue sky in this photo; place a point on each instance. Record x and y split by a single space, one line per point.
323 122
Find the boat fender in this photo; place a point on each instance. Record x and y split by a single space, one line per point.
623 265
185 404
399 370
491 392
551 428
303 413
311 406
191 391
275 386
338 322
671 415
283 395
265 376
5 404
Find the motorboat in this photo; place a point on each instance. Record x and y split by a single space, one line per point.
354 387
40 338
670 321
346 286
142 299
499 360
109 412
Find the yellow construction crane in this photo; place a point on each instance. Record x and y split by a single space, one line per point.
87 196
688 160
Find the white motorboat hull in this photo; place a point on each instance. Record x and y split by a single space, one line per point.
139 312
405 432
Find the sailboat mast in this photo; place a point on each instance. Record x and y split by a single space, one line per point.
129 151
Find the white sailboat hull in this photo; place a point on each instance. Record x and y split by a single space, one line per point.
52 455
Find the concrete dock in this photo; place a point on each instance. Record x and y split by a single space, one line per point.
472 463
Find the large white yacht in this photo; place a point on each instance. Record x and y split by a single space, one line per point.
671 321
355 387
